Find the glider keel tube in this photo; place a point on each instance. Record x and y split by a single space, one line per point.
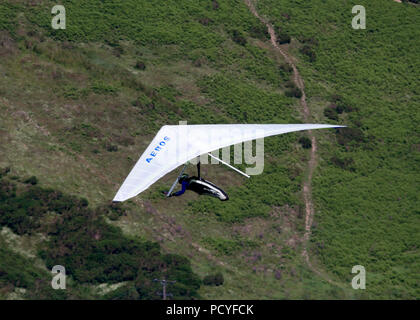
175 145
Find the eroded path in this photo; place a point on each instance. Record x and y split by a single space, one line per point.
312 162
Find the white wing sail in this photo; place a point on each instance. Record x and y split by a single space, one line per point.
174 145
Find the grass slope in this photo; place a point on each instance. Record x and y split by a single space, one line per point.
79 105
366 191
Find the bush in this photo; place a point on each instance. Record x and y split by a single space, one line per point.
126 292
309 41
214 280
297 93
118 51
4 171
331 113
283 38
140 65
171 267
32 180
348 108
294 92
205 21
111 147
347 135
113 211
305 142
286 16
238 37
290 84
308 51
339 108
341 105
80 239
94 251
102 88
286 68
23 213
16 270
346 164
259 31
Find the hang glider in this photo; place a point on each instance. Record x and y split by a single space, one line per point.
175 145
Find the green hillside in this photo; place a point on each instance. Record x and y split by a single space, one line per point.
78 106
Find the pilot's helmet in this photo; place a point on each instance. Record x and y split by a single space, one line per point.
183 177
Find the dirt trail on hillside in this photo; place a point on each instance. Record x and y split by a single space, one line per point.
307 189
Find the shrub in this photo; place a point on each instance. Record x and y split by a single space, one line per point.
140 65
4 171
348 108
205 21
297 93
32 180
309 52
290 84
289 93
238 37
305 142
294 92
118 51
94 251
331 113
259 31
283 38
286 16
339 108
80 239
16 270
102 88
335 98
346 164
341 105
309 41
199 62
173 268
126 292
111 147
214 279
347 135
113 211
286 67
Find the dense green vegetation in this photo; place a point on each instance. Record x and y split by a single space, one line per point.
213 279
366 189
79 105
17 271
79 239
8 17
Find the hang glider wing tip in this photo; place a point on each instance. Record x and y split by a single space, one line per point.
326 126
333 125
119 198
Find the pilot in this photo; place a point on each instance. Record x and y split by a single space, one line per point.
200 186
